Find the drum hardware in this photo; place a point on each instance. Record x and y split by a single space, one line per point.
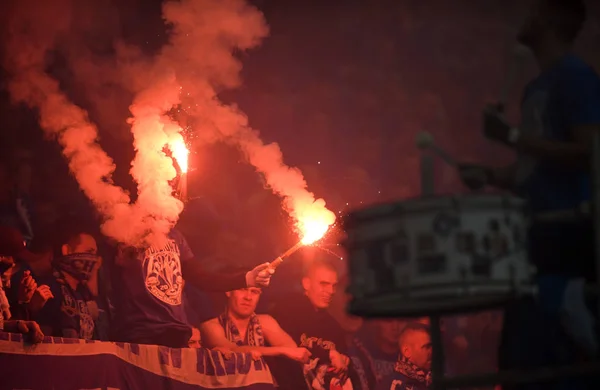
427 175
518 288
544 374
506 205
583 212
425 142
465 281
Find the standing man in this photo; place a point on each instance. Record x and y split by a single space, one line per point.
70 308
560 114
412 371
148 291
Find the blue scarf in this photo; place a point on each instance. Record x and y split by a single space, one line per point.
78 265
255 335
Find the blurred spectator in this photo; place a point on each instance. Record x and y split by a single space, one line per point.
12 298
337 308
26 289
196 339
69 308
306 319
6 265
355 332
383 345
413 368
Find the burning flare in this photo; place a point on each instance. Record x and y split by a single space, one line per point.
180 154
315 224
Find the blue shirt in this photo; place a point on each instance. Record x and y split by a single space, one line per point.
560 98
67 314
149 296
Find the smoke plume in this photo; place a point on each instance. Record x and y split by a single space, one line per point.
198 61
33 31
205 34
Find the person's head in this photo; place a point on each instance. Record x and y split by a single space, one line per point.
195 340
388 333
552 22
80 242
77 252
73 237
415 344
320 282
242 303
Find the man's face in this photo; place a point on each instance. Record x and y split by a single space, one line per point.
85 244
535 27
320 285
194 341
242 303
389 330
418 350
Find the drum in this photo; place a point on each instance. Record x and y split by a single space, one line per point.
437 255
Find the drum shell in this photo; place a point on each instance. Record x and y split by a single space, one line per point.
439 254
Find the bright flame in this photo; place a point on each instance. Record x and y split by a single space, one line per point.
180 154
313 227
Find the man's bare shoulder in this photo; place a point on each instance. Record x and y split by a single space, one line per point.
266 319
213 322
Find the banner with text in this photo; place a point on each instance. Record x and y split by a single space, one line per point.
70 364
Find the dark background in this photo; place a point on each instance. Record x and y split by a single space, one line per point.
342 85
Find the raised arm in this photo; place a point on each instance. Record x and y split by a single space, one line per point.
195 274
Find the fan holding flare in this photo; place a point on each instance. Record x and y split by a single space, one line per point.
181 155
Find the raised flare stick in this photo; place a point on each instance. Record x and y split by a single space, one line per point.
277 262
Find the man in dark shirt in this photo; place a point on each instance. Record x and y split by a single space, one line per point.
306 319
71 309
560 112
148 288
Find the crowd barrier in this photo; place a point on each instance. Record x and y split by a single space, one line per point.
70 364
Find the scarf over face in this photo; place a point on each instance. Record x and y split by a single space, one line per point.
79 265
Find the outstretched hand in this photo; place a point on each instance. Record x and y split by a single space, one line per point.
496 127
260 276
